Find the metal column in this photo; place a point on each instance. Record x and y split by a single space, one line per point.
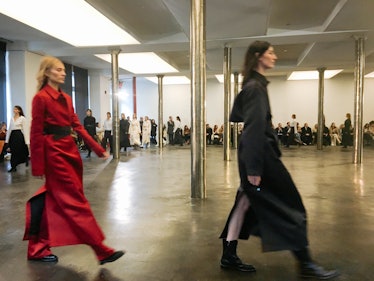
160 112
226 102
198 92
134 96
321 117
236 92
115 117
359 94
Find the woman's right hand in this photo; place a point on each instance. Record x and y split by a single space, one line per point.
254 180
105 155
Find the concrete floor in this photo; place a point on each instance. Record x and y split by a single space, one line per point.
143 204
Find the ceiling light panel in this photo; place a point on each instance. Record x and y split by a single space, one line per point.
369 75
171 80
141 63
313 75
80 26
220 78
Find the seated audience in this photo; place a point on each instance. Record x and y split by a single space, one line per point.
335 135
306 134
326 138
186 134
279 133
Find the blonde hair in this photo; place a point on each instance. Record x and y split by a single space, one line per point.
46 64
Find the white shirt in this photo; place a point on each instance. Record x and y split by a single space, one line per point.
294 125
178 125
107 125
18 124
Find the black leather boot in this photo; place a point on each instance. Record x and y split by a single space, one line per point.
230 260
312 270
309 269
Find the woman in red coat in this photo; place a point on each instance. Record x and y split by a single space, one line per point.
59 214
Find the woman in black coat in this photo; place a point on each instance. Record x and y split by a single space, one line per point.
89 123
346 132
267 203
124 137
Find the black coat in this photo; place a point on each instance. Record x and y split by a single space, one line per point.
124 126
276 212
89 123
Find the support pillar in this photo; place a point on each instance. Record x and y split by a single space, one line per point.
198 95
115 117
236 92
160 112
226 103
359 97
321 117
134 96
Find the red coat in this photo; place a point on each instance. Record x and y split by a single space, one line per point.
69 216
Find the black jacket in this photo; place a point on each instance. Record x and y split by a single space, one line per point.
89 123
252 107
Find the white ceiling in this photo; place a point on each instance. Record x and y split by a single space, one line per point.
306 34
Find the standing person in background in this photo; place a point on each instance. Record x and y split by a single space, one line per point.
124 137
108 137
135 132
89 123
58 213
146 132
294 135
141 121
153 131
18 139
346 131
3 131
267 203
170 130
178 132
99 133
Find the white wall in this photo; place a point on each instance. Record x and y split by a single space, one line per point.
301 98
100 96
23 68
286 98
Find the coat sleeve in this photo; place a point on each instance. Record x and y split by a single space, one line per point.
37 137
77 126
253 137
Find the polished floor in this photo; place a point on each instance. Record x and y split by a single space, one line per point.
143 204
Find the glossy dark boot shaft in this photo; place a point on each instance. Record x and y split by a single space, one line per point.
230 260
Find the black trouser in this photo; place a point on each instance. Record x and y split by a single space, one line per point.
107 137
171 138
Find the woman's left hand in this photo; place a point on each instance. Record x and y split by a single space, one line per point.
105 155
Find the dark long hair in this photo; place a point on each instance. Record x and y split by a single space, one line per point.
255 50
20 110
